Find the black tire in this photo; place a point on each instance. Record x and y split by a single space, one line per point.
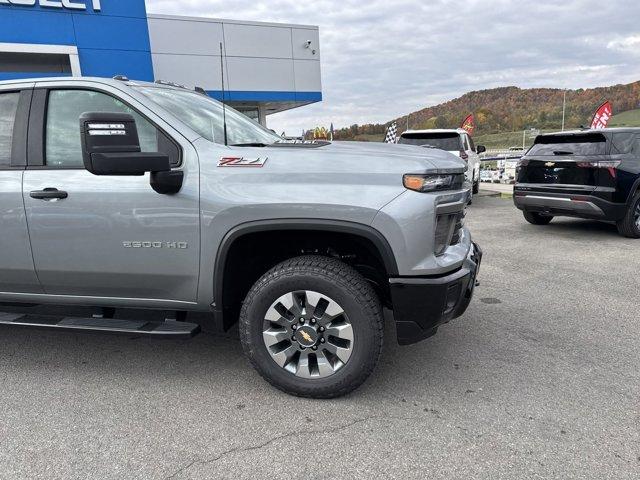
345 286
629 226
537 218
476 187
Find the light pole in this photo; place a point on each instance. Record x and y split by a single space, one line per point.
564 107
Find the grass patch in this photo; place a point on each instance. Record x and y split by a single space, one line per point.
630 118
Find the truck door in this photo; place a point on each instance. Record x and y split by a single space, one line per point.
17 274
107 236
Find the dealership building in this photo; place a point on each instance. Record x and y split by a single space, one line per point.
267 67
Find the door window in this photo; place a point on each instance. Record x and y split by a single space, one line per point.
8 109
62 137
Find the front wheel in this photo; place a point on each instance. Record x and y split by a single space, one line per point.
629 226
537 218
313 327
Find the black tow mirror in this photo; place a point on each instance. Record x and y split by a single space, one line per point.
110 146
481 149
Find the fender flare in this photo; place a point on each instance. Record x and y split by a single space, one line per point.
338 226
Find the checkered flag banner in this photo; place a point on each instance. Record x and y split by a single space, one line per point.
392 134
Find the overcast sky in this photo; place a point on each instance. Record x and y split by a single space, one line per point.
385 58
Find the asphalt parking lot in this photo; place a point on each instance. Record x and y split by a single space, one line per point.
539 379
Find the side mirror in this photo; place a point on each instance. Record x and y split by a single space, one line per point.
481 149
110 146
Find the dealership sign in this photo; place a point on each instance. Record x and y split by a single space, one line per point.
68 4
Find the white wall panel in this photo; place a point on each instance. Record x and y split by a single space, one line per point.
300 36
188 70
257 41
185 36
307 76
260 74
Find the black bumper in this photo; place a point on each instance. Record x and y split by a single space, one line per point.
420 305
568 205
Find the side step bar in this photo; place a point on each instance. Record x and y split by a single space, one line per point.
167 329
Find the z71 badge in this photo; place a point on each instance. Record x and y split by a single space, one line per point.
242 162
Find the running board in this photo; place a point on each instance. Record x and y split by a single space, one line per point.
167 329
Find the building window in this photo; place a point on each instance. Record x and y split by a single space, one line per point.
252 112
35 63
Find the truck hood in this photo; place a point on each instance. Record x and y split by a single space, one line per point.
342 174
368 157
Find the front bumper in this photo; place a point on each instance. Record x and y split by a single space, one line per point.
421 305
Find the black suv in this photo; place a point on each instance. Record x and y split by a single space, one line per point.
592 174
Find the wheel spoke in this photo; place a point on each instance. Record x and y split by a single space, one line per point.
342 353
325 310
284 310
314 303
304 367
343 330
273 316
283 357
324 366
273 336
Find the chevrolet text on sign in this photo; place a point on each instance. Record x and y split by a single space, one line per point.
71 4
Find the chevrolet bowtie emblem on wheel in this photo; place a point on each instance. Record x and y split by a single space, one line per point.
242 162
306 336
550 164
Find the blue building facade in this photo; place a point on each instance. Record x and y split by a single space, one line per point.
112 39
267 67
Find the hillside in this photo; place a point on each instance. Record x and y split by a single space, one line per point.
630 118
510 109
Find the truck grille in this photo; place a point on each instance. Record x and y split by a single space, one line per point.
448 230
457 230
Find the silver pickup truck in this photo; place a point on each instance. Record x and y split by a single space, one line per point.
120 198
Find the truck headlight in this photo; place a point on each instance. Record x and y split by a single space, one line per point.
433 182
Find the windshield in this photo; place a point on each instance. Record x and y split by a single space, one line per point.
444 141
204 115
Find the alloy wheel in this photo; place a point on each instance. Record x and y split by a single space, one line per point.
308 334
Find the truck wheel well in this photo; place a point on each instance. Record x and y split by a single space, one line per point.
253 254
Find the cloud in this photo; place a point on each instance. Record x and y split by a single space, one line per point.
382 59
630 44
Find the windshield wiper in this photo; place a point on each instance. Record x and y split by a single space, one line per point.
255 144
562 152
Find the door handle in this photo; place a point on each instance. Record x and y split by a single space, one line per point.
48 194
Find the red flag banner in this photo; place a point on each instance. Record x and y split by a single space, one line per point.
469 124
602 116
